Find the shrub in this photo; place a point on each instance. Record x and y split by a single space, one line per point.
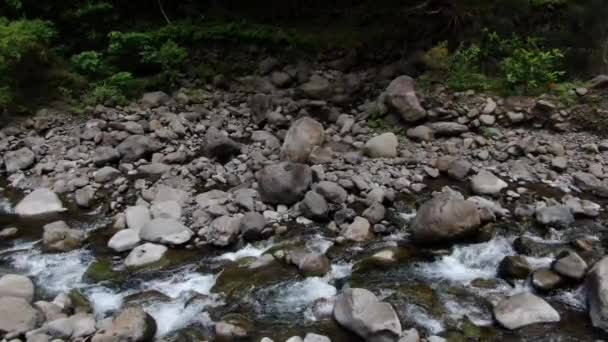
114 90
532 70
438 57
89 63
465 71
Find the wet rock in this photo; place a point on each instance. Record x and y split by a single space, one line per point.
570 265
17 316
72 327
310 337
422 133
223 231
124 240
234 327
310 264
596 285
106 174
546 280
18 160
132 324
284 183
446 128
314 206
361 312
303 135
137 216
104 155
411 335
382 146
375 213
331 191
486 183
14 285
401 95
38 202
218 145
556 215
136 147
444 220
598 82
251 226
360 230
524 309
8 233
58 237
146 254
165 231
317 87
514 267
459 169
50 311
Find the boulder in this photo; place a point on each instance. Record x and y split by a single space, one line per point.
18 160
401 95
310 264
570 265
310 337
137 216
445 219
284 183
106 174
38 202
317 87
422 133
219 145
382 146
251 226
375 213
84 196
223 231
17 316
146 254
524 309
302 137
104 155
514 267
588 182
447 128
132 324
486 183
360 230
544 279
14 285
555 215
458 169
314 206
58 237
596 286
166 209
136 147
331 191
361 312
154 99
165 231
124 240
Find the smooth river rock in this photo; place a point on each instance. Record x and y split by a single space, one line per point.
524 309
38 202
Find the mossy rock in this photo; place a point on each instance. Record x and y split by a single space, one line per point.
385 258
102 270
146 296
238 278
80 302
190 334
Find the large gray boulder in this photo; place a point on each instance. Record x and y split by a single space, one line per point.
223 231
361 312
486 183
165 231
132 324
104 155
219 145
38 202
303 135
58 237
314 206
382 146
331 191
401 95
137 216
146 254
15 285
555 215
135 147
284 183
524 309
445 219
317 87
596 285
19 160
124 240
17 316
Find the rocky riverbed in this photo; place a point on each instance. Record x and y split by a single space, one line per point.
276 208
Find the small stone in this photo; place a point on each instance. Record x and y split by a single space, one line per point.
145 254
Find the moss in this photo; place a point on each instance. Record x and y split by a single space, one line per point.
102 270
79 301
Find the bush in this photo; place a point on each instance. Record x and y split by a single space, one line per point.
89 63
532 70
465 71
438 57
114 90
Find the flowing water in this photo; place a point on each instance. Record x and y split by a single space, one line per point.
450 294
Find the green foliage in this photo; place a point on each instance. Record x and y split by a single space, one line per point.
124 45
88 63
23 39
534 70
465 71
438 57
114 90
